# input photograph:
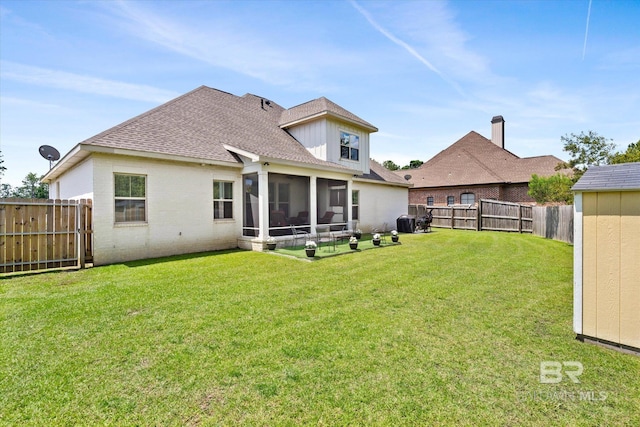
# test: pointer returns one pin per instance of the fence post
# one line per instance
(80, 234)
(519, 218)
(479, 214)
(452, 217)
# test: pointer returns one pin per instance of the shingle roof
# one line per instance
(625, 176)
(377, 172)
(474, 160)
(319, 107)
(202, 122)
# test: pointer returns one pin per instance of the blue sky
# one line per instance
(424, 72)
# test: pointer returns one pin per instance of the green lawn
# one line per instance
(448, 328)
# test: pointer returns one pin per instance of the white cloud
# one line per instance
(21, 102)
(232, 44)
(79, 83)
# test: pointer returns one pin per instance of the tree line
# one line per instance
(31, 188)
(585, 150)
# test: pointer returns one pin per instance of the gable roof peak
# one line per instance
(320, 107)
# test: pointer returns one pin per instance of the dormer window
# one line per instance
(349, 146)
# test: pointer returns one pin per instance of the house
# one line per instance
(211, 170)
(475, 168)
(606, 289)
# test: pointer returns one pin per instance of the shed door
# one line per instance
(611, 267)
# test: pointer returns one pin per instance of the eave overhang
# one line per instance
(81, 151)
(327, 114)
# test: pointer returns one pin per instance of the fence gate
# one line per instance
(37, 234)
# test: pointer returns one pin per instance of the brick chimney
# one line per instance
(497, 131)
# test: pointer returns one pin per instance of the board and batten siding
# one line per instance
(313, 136)
(322, 138)
(607, 284)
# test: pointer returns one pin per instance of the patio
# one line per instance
(326, 250)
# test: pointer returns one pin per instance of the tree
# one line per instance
(2, 167)
(413, 164)
(32, 188)
(555, 188)
(6, 190)
(631, 155)
(586, 150)
(389, 164)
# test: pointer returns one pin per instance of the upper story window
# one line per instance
(130, 198)
(222, 200)
(450, 200)
(349, 146)
(468, 198)
(430, 201)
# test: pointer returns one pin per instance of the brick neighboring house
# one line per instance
(475, 168)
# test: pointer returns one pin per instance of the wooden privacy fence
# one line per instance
(38, 234)
(554, 222)
(488, 215)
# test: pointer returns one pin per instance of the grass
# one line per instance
(448, 328)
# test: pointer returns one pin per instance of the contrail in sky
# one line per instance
(586, 32)
(406, 46)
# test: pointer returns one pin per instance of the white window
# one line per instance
(222, 200)
(349, 146)
(130, 198)
(430, 201)
(468, 198)
(355, 204)
(450, 200)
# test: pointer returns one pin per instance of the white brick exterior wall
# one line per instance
(179, 200)
(380, 204)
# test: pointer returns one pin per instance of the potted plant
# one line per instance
(310, 248)
(394, 236)
(357, 234)
(271, 243)
(353, 242)
(376, 239)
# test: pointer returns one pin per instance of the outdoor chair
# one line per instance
(326, 218)
(324, 235)
(298, 234)
(347, 231)
(277, 219)
(382, 231)
(301, 218)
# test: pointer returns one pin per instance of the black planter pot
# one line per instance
(271, 246)
(394, 238)
(353, 246)
(376, 242)
(310, 252)
(357, 235)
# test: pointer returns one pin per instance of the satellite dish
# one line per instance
(49, 153)
(407, 177)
